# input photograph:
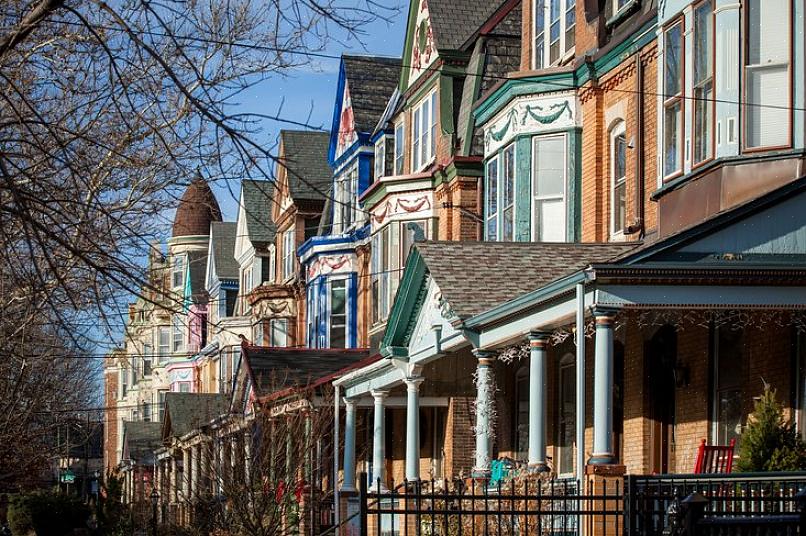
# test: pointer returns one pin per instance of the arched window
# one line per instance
(618, 179)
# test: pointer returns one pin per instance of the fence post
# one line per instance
(362, 502)
(800, 504)
(694, 508)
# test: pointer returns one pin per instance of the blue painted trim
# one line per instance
(362, 142)
(375, 137)
(352, 308)
(334, 125)
(326, 240)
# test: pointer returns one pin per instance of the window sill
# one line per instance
(619, 16)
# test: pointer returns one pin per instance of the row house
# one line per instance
(640, 265)
(335, 262)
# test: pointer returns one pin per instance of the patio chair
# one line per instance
(714, 459)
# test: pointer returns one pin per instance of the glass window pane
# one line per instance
(672, 61)
(551, 222)
(671, 137)
(549, 166)
(768, 125)
(492, 199)
(768, 31)
(570, 24)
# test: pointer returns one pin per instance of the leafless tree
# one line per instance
(107, 110)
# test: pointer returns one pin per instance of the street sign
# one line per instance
(68, 477)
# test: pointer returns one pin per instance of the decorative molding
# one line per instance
(530, 115)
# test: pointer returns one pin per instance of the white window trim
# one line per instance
(347, 316)
(418, 108)
(501, 175)
(565, 55)
(532, 186)
(619, 128)
(272, 263)
(288, 254)
(400, 143)
(175, 271)
(496, 162)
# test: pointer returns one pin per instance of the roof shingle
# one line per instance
(223, 246)
(257, 199)
(476, 276)
(185, 412)
(371, 81)
(455, 23)
(305, 159)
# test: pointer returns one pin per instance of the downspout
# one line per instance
(580, 383)
(638, 225)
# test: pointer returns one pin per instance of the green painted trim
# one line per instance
(575, 185)
(467, 139)
(525, 301)
(407, 47)
(430, 82)
(523, 189)
(405, 301)
(446, 104)
(394, 351)
(570, 80)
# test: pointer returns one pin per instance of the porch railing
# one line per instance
(518, 506)
(741, 503)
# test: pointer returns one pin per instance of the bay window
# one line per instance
(338, 314)
(553, 30)
(178, 272)
(288, 254)
(423, 142)
(492, 199)
(380, 158)
(618, 171)
(548, 186)
(381, 264)
(178, 334)
(163, 343)
(279, 332)
(673, 99)
(767, 77)
(703, 81)
(411, 232)
(400, 143)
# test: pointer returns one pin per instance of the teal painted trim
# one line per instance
(525, 301)
(523, 189)
(394, 351)
(570, 80)
(405, 300)
(446, 99)
(575, 185)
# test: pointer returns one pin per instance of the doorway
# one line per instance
(660, 357)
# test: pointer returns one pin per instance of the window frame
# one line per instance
(710, 102)
(743, 74)
(505, 181)
(177, 336)
(678, 99)
(403, 242)
(566, 362)
(272, 324)
(400, 147)
(346, 314)
(168, 343)
(178, 269)
(288, 254)
(381, 274)
(566, 50)
(491, 216)
(617, 130)
(717, 388)
(421, 136)
(533, 178)
(379, 165)
(148, 360)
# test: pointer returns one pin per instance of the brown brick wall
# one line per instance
(616, 97)
(111, 418)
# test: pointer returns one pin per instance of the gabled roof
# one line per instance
(257, 198)
(222, 240)
(275, 369)
(463, 270)
(305, 159)
(185, 412)
(392, 105)
(140, 439)
(197, 266)
(456, 22)
(371, 81)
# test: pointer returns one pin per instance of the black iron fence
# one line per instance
(735, 504)
(529, 505)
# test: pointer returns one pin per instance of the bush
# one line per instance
(770, 443)
(46, 514)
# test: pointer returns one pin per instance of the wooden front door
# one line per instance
(660, 356)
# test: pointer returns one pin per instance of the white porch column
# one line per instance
(413, 428)
(348, 482)
(538, 377)
(484, 409)
(378, 439)
(603, 390)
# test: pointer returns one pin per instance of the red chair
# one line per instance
(714, 459)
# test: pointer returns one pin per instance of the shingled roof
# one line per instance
(273, 369)
(371, 81)
(463, 270)
(196, 210)
(140, 439)
(305, 158)
(185, 412)
(257, 198)
(197, 265)
(222, 238)
(455, 23)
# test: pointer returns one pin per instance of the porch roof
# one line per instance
(465, 271)
(187, 411)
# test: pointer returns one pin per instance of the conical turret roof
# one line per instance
(197, 209)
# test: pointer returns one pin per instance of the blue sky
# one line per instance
(311, 90)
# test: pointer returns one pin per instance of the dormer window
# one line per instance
(553, 31)
(423, 134)
(178, 272)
